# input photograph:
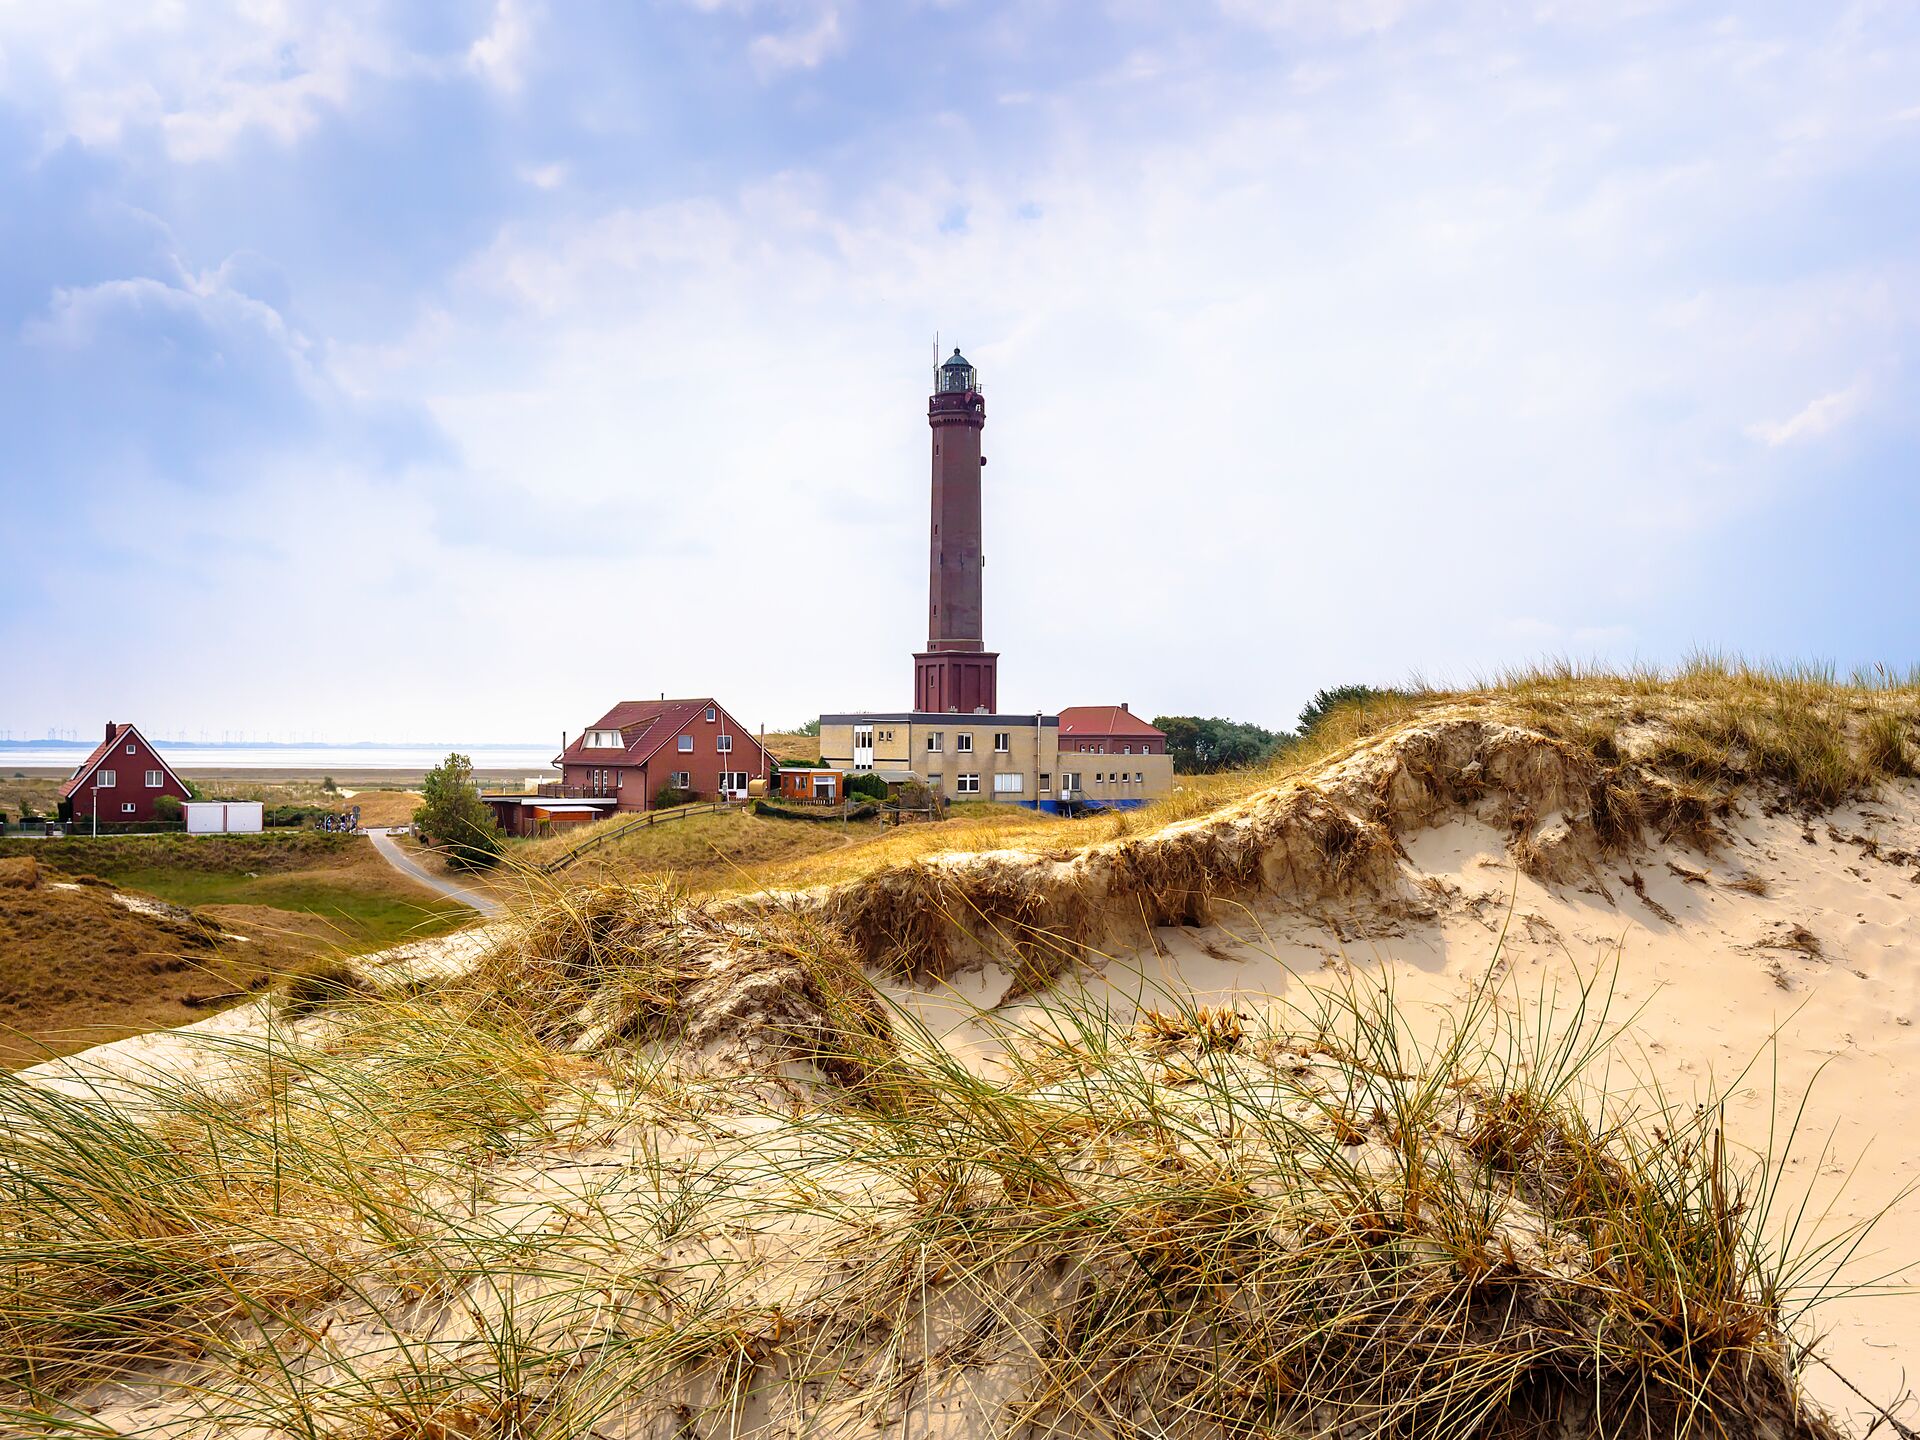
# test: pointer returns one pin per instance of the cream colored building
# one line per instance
(1010, 759)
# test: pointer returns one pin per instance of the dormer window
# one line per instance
(712, 715)
(604, 740)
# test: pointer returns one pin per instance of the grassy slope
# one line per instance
(362, 902)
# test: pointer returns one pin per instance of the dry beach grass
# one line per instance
(1071, 1129)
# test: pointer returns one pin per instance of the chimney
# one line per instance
(109, 729)
(1123, 708)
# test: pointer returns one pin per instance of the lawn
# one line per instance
(363, 902)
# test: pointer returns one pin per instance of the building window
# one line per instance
(154, 780)
(1139, 777)
(1046, 781)
(963, 742)
(1069, 781)
(968, 784)
(1126, 749)
(711, 714)
(1009, 784)
(683, 780)
(686, 744)
(1002, 742)
(127, 809)
(133, 749)
(933, 742)
(724, 744)
(619, 779)
(105, 780)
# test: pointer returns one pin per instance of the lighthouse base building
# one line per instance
(956, 738)
(1009, 759)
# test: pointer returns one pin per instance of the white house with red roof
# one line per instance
(120, 781)
(641, 747)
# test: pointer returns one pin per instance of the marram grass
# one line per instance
(419, 1218)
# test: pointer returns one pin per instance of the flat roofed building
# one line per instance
(1011, 759)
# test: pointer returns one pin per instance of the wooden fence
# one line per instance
(642, 821)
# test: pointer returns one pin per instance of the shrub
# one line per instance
(167, 808)
(1325, 702)
(869, 785)
(668, 796)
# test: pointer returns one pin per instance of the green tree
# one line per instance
(453, 816)
(1200, 746)
(328, 786)
(1325, 702)
(812, 727)
(167, 808)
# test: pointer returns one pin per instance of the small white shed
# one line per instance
(224, 817)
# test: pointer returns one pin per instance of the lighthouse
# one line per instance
(956, 673)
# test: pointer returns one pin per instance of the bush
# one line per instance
(453, 816)
(167, 808)
(1325, 702)
(668, 796)
(869, 785)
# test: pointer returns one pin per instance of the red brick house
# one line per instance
(1107, 730)
(641, 747)
(118, 783)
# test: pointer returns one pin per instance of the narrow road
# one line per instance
(408, 866)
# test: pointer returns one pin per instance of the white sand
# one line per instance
(1724, 990)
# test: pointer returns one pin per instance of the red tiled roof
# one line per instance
(86, 766)
(1084, 720)
(645, 725)
(116, 733)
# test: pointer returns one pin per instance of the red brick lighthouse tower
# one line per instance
(956, 672)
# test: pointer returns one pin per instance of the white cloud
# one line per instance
(1277, 359)
(802, 45)
(205, 75)
(499, 55)
(1814, 419)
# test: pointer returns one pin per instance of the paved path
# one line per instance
(391, 852)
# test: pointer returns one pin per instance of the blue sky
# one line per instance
(373, 370)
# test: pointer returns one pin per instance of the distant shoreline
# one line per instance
(364, 778)
(465, 747)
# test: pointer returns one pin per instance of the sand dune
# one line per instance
(1758, 955)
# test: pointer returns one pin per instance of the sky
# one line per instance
(389, 371)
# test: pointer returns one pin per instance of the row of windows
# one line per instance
(963, 741)
(108, 779)
(1009, 783)
(722, 743)
(1099, 747)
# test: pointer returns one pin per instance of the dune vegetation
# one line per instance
(644, 1162)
